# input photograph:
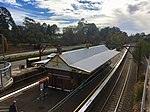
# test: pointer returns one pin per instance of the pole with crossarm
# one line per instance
(139, 58)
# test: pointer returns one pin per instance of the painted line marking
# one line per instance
(18, 91)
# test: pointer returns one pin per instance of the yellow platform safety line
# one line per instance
(91, 92)
(87, 98)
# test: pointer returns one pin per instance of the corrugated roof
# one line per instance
(91, 63)
(76, 55)
(88, 59)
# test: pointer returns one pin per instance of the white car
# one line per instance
(50, 56)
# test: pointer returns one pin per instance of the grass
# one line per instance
(17, 58)
(139, 90)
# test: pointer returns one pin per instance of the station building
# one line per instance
(68, 69)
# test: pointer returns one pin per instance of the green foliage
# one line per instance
(145, 49)
(8, 27)
(54, 29)
(82, 33)
(5, 18)
(5, 45)
(11, 59)
(35, 33)
(113, 37)
(138, 92)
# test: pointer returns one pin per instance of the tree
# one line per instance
(7, 24)
(49, 32)
(82, 33)
(81, 23)
(54, 29)
(69, 35)
(5, 18)
(28, 22)
(113, 37)
(33, 31)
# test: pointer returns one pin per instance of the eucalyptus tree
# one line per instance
(5, 18)
(113, 37)
(54, 29)
(33, 31)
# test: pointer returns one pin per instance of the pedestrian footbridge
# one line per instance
(5, 74)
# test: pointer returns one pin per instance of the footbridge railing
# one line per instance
(5, 74)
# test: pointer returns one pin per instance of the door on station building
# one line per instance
(54, 81)
(59, 83)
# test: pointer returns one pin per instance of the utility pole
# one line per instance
(139, 59)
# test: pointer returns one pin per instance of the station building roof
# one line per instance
(86, 59)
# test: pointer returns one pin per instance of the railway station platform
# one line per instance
(29, 100)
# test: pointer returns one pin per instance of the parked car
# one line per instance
(50, 56)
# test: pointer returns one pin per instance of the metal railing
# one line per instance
(144, 90)
(5, 74)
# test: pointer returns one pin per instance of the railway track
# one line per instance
(119, 97)
(114, 100)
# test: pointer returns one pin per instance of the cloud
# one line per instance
(133, 18)
(12, 2)
(129, 15)
(17, 15)
(70, 8)
(133, 8)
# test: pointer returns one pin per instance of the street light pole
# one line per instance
(2, 40)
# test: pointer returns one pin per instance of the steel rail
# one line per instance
(113, 88)
(123, 89)
(29, 77)
(120, 97)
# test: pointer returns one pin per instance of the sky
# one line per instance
(131, 16)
